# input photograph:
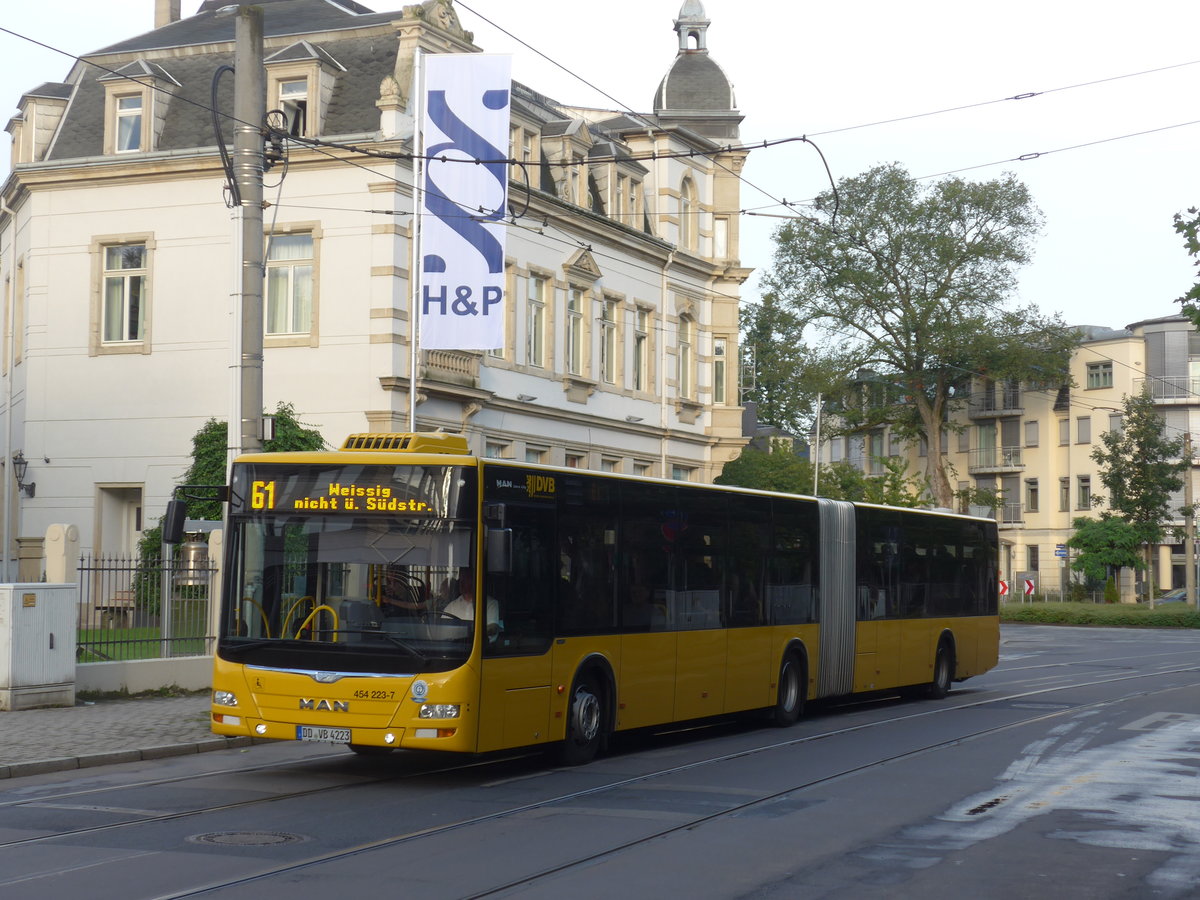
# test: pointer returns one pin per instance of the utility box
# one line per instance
(37, 645)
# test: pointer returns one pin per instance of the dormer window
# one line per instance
(129, 123)
(293, 100)
(300, 81)
(136, 98)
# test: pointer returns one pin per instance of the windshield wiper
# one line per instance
(395, 641)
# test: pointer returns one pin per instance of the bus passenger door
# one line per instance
(514, 708)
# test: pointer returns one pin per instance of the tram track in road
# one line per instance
(565, 799)
(59, 801)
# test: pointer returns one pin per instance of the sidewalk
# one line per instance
(34, 741)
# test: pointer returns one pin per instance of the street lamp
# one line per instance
(20, 467)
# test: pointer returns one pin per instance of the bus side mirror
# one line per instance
(173, 521)
(499, 551)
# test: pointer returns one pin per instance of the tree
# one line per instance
(905, 284)
(781, 470)
(1105, 545)
(1140, 467)
(209, 462)
(1189, 228)
(786, 384)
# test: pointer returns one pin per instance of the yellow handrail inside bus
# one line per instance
(312, 615)
(261, 612)
(287, 618)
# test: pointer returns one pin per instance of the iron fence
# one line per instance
(134, 608)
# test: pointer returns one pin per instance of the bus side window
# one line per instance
(525, 595)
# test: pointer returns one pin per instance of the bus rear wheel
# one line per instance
(585, 722)
(789, 702)
(943, 673)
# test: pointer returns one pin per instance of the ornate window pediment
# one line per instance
(582, 267)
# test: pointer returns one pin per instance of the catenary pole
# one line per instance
(249, 109)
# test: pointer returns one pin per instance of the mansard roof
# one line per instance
(53, 90)
(280, 18)
(301, 51)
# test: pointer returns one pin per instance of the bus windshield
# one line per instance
(349, 568)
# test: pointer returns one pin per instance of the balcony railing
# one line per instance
(1005, 513)
(999, 402)
(1170, 387)
(452, 367)
(994, 459)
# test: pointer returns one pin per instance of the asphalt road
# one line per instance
(1070, 771)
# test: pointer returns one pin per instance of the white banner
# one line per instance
(462, 207)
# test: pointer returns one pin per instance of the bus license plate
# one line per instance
(326, 735)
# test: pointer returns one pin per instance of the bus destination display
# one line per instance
(292, 495)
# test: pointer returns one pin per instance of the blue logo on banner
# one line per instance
(468, 226)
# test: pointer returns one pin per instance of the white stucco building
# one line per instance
(118, 262)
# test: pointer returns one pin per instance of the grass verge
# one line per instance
(1120, 615)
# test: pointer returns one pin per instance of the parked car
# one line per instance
(1176, 595)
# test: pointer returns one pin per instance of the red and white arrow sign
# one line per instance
(1028, 586)
(1004, 589)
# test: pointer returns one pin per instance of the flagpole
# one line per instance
(414, 242)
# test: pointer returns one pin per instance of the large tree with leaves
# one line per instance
(779, 469)
(209, 462)
(1141, 467)
(1188, 227)
(908, 283)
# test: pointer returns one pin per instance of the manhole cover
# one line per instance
(246, 838)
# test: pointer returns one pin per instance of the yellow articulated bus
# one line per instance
(400, 593)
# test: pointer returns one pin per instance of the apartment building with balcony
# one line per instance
(1031, 444)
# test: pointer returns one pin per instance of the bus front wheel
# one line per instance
(789, 702)
(585, 722)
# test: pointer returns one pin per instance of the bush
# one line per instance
(1116, 615)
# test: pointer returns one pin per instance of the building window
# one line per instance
(1064, 432)
(681, 473)
(1084, 500)
(293, 100)
(496, 449)
(687, 215)
(1099, 375)
(642, 469)
(608, 342)
(1031, 433)
(683, 376)
(1031, 494)
(289, 284)
(1064, 494)
(719, 351)
(125, 281)
(720, 237)
(641, 350)
(576, 460)
(535, 321)
(1032, 550)
(610, 465)
(575, 301)
(1083, 430)
(129, 123)
(1116, 422)
(535, 454)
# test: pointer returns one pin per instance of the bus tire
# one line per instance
(943, 673)
(585, 721)
(789, 701)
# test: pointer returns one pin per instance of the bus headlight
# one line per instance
(439, 711)
(224, 698)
